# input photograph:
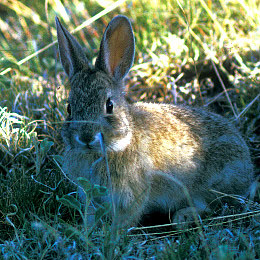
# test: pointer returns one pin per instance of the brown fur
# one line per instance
(161, 157)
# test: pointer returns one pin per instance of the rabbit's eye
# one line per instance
(109, 106)
(69, 109)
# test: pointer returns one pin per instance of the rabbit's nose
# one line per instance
(98, 141)
(83, 139)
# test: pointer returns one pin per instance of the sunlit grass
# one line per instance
(180, 47)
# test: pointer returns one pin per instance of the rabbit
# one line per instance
(161, 157)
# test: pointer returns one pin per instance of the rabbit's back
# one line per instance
(189, 152)
(196, 146)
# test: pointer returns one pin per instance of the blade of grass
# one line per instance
(247, 107)
(224, 88)
(213, 17)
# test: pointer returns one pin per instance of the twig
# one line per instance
(225, 90)
(248, 106)
(104, 153)
(216, 97)
(177, 232)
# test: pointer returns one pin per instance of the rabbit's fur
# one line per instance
(161, 157)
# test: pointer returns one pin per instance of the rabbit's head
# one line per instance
(96, 103)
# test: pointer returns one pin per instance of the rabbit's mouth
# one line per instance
(96, 145)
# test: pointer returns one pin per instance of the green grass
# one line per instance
(210, 37)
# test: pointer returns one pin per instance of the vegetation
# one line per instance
(197, 52)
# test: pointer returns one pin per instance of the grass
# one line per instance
(214, 62)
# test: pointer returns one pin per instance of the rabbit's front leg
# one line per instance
(129, 206)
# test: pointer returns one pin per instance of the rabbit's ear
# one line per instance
(72, 56)
(117, 48)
